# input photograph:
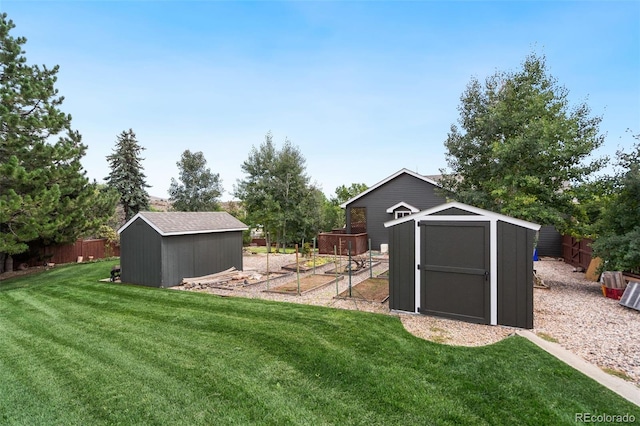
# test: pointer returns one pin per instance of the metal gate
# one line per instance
(454, 265)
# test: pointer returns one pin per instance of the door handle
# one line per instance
(486, 275)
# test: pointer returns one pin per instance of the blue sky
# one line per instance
(363, 88)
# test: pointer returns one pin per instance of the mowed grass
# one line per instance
(74, 351)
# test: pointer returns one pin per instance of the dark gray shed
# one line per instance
(159, 249)
(549, 242)
(463, 262)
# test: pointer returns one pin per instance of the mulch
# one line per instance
(371, 289)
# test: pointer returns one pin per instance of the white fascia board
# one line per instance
(382, 182)
(126, 225)
(480, 213)
(403, 204)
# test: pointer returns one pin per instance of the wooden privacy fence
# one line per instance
(327, 241)
(98, 249)
(576, 252)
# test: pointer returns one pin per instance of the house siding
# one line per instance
(404, 188)
(140, 255)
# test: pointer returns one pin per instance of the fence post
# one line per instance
(335, 264)
(349, 267)
(297, 270)
(268, 250)
(370, 261)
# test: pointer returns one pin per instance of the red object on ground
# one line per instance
(612, 293)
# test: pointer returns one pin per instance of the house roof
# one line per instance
(382, 182)
(475, 210)
(182, 223)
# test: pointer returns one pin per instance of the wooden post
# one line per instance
(297, 270)
(268, 250)
(349, 266)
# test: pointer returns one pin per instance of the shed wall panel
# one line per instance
(217, 252)
(549, 242)
(177, 259)
(402, 266)
(140, 255)
(515, 275)
(404, 188)
(200, 254)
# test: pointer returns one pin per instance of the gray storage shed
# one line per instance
(159, 249)
(462, 262)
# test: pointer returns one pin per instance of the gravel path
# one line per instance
(572, 312)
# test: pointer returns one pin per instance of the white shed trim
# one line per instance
(405, 205)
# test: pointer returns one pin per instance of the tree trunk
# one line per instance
(8, 264)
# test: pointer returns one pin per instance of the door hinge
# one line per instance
(418, 308)
(418, 266)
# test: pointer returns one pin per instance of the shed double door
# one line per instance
(454, 265)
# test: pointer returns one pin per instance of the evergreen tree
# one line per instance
(199, 190)
(44, 193)
(522, 149)
(127, 176)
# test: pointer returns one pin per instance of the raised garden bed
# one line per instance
(356, 269)
(371, 290)
(307, 284)
(306, 265)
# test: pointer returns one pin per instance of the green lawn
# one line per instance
(76, 351)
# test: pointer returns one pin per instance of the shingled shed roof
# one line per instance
(182, 223)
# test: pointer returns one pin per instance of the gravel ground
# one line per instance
(576, 314)
(322, 297)
(572, 312)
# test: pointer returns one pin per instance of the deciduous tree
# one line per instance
(276, 188)
(521, 148)
(618, 231)
(199, 189)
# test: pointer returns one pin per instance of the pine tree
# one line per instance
(44, 193)
(127, 176)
